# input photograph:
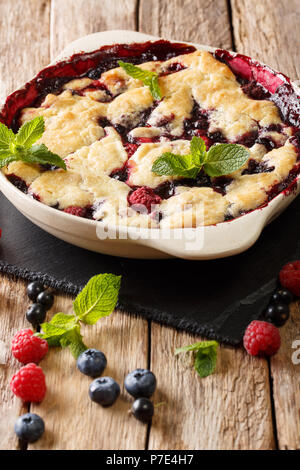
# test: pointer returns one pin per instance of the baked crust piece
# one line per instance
(110, 131)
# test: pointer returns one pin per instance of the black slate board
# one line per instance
(215, 298)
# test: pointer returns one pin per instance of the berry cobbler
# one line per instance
(109, 130)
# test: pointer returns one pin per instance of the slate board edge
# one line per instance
(158, 316)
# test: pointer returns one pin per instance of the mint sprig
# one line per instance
(219, 160)
(205, 356)
(97, 299)
(20, 146)
(149, 78)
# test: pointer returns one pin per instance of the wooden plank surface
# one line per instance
(72, 19)
(229, 410)
(22, 55)
(12, 319)
(268, 30)
(72, 420)
(286, 384)
(24, 41)
(200, 21)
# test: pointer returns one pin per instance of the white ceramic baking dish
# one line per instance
(221, 240)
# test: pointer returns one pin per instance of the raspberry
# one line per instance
(29, 383)
(28, 348)
(75, 210)
(143, 196)
(261, 338)
(289, 277)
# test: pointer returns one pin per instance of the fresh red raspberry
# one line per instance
(261, 338)
(145, 197)
(75, 210)
(29, 383)
(28, 348)
(289, 277)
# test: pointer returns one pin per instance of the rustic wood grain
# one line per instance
(71, 19)
(228, 410)
(269, 31)
(13, 302)
(24, 41)
(200, 21)
(286, 383)
(72, 420)
(24, 49)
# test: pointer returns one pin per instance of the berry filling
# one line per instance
(86, 212)
(175, 67)
(255, 167)
(18, 183)
(199, 121)
(143, 200)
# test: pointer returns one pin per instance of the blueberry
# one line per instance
(104, 391)
(140, 383)
(283, 295)
(36, 314)
(92, 362)
(46, 298)
(277, 313)
(34, 289)
(143, 409)
(29, 427)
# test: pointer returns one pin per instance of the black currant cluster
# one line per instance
(43, 301)
(278, 310)
(140, 383)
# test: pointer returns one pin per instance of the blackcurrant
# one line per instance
(36, 314)
(46, 298)
(277, 313)
(143, 409)
(285, 296)
(34, 289)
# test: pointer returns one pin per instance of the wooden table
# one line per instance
(248, 403)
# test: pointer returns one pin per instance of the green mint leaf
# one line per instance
(223, 159)
(20, 147)
(54, 330)
(192, 347)
(4, 161)
(149, 78)
(6, 137)
(206, 361)
(205, 357)
(41, 154)
(98, 298)
(154, 89)
(178, 165)
(61, 320)
(63, 330)
(198, 150)
(73, 340)
(30, 132)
